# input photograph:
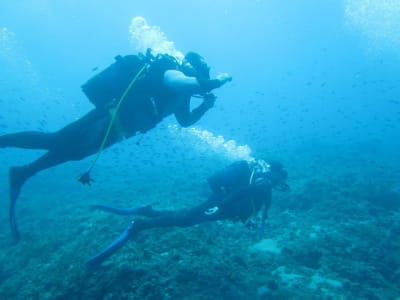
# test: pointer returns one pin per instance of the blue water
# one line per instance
(315, 84)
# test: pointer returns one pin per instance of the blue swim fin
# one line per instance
(96, 260)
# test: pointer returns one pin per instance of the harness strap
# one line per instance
(253, 171)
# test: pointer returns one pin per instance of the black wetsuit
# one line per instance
(239, 191)
(234, 197)
(145, 105)
(84, 136)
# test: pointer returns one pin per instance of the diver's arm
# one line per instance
(182, 84)
(187, 86)
(187, 117)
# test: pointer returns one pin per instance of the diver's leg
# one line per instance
(86, 143)
(83, 138)
(143, 210)
(79, 135)
(181, 218)
(204, 212)
(71, 143)
(27, 140)
(44, 140)
(159, 218)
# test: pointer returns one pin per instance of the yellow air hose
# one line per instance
(85, 177)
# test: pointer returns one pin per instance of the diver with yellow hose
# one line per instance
(239, 192)
(131, 96)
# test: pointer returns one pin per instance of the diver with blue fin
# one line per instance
(239, 191)
(131, 96)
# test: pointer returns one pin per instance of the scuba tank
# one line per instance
(108, 86)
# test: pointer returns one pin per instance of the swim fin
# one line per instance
(17, 177)
(96, 260)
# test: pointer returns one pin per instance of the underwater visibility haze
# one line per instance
(315, 85)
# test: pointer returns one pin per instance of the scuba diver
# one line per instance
(239, 191)
(131, 96)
